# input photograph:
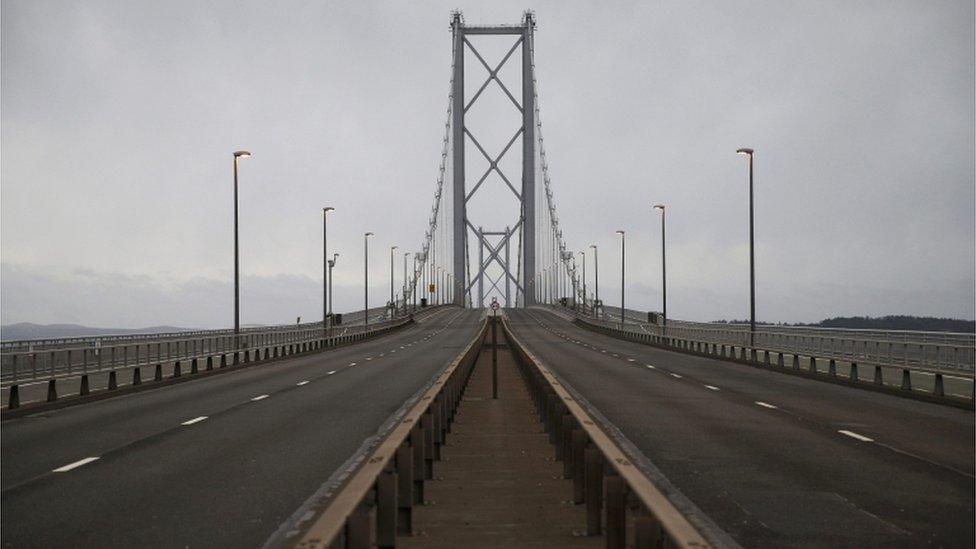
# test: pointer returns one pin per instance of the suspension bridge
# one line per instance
(499, 402)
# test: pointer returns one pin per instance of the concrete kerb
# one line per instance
(15, 409)
(904, 390)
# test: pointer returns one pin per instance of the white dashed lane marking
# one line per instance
(852, 434)
(650, 366)
(765, 405)
(259, 397)
(194, 420)
(329, 373)
(75, 465)
(300, 383)
(711, 387)
(676, 375)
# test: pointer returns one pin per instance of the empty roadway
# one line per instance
(219, 461)
(775, 459)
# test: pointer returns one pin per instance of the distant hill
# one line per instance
(901, 322)
(890, 322)
(28, 330)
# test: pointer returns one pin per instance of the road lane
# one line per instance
(763, 454)
(228, 479)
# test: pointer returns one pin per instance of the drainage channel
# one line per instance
(528, 468)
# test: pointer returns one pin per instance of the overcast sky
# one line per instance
(119, 119)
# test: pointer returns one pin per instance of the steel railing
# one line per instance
(82, 356)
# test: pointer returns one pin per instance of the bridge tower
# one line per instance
(493, 246)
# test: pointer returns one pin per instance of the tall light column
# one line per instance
(596, 281)
(392, 302)
(583, 255)
(325, 269)
(752, 255)
(664, 272)
(237, 257)
(404, 292)
(622, 264)
(332, 263)
(366, 279)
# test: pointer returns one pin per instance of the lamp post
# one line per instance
(404, 293)
(366, 280)
(596, 281)
(583, 255)
(752, 255)
(332, 263)
(325, 269)
(392, 302)
(664, 273)
(237, 257)
(622, 250)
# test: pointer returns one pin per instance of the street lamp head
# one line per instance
(241, 154)
(745, 151)
(659, 207)
(620, 232)
(593, 246)
(328, 209)
(368, 235)
(335, 256)
(394, 248)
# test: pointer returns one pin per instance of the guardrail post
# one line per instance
(137, 376)
(358, 527)
(428, 430)
(766, 358)
(832, 368)
(84, 389)
(854, 377)
(813, 365)
(177, 369)
(878, 376)
(417, 439)
(616, 513)
(387, 508)
(906, 380)
(437, 414)
(113, 381)
(579, 466)
(780, 362)
(404, 475)
(939, 389)
(194, 367)
(594, 491)
(210, 362)
(158, 375)
(223, 360)
(567, 444)
(796, 361)
(52, 390)
(752, 356)
(647, 532)
(13, 398)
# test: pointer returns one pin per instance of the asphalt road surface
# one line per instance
(221, 461)
(774, 459)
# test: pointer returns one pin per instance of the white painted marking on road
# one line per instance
(852, 434)
(300, 383)
(651, 367)
(259, 397)
(615, 355)
(75, 465)
(631, 360)
(369, 358)
(675, 375)
(603, 350)
(194, 420)
(381, 355)
(330, 373)
(352, 363)
(765, 405)
(711, 387)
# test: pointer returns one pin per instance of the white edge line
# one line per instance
(852, 434)
(75, 465)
